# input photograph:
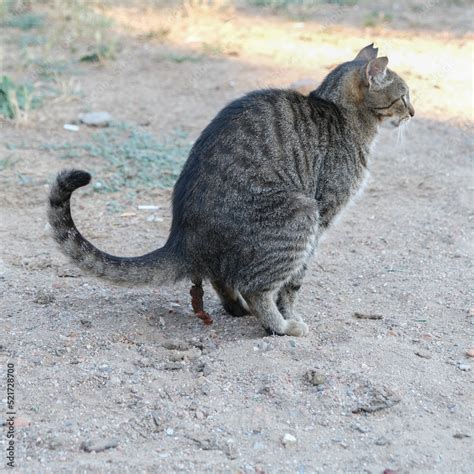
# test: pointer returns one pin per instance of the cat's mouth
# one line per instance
(396, 122)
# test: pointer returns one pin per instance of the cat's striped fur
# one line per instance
(263, 181)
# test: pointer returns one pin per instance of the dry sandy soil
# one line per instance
(95, 362)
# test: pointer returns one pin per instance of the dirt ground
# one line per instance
(133, 367)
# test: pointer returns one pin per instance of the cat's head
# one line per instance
(365, 83)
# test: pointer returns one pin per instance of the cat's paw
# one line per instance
(296, 328)
(295, 317)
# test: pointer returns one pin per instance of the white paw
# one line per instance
(295, 317)
(296, 328)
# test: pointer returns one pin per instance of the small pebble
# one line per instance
(359, 428)
(263, 346)
(314, 378)
(230, 449)
(95, 119)
(157, 419)
(44, 297)
(470, 352)
(204, 368)
(176, 345)
(22, 422)
(70, 127)
(288, 440)
(461, 435)
(382, 441)
(358, 315)
(423, 354)
(154, 218)
(144, 362)
(176, 356)
(169, 431)
(148, 207)
(173, 366)
(464, 367)
(99, 445)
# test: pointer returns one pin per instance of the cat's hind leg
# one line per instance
(231, 299)
(264, 307)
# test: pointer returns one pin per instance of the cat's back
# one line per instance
(253, 117)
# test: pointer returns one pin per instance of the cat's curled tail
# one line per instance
(160, 266)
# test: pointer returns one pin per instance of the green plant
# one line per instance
(6, 163)
(15, 99)
(24, 21)
(129, 157)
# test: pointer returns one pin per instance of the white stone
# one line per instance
(288, 439)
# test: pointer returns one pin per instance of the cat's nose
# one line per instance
(411, 110)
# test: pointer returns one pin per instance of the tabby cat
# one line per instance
(262, 183)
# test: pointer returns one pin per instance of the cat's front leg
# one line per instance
(263, 306)
(288, 294)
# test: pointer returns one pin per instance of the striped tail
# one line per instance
(158, 267)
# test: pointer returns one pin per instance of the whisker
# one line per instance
(401, 138)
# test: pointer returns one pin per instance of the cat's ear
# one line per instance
(367, 53)
(375, 71)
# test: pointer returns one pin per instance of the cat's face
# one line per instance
(368, 85)
(385, 93)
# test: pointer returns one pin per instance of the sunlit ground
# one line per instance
(436, 65)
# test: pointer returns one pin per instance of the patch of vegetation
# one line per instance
(132, 158)
(285, 4)
(15, 98)
(6, 163)
(182, 58)
(270, 3)
(158, 34)
(298, 10)
(104, 49)
(375, 18)
(214, 49)
(348, 3)
(24, 21)
(100, 53)
(49, 69)
(220, 49)
(28, 40)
